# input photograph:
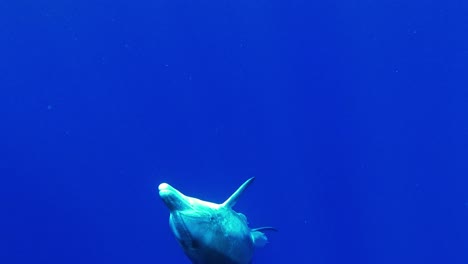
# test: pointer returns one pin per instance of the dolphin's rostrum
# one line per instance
(212, 233)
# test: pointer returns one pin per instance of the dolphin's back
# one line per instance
(223, 237)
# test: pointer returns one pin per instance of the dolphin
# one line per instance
(211, 233)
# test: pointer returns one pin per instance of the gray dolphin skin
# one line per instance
(211, 233)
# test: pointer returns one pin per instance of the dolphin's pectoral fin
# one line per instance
(231, 201)
(265, 228)
(259, 239)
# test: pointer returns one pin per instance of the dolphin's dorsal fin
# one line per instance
(231, 201)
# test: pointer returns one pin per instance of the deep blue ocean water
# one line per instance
(352, 116)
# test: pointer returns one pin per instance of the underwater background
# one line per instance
(352, 116)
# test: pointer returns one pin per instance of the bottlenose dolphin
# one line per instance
(211, 233)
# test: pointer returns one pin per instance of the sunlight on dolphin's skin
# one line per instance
(211, 233)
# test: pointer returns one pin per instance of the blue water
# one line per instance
(352, 115)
